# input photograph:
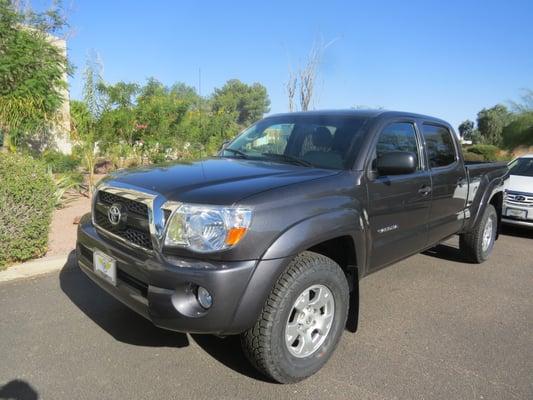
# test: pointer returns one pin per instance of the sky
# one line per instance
(447, 58)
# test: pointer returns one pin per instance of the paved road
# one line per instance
(431, 327)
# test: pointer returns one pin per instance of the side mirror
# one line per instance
(224, 145)
(396, 163)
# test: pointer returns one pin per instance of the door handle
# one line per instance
(424, 190)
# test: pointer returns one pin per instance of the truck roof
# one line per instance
(370, 113)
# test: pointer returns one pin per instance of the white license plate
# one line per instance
(513, 212)
(105, 266)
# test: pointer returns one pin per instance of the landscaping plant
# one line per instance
(26, 205)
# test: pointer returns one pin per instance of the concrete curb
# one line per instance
(36, 267)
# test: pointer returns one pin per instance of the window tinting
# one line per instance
(439, 144)
(397, 137)
(314, 140)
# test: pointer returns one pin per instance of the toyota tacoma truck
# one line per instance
(270, 238)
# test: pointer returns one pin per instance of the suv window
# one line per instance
(399, 136)
(439, 144)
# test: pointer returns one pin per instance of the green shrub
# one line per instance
(488, 151)
(26, 204)
(519, 132)
(60, 163)
(473, 157)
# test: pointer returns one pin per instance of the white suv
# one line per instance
(518, 202)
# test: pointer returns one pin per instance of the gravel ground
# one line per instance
(431, 327)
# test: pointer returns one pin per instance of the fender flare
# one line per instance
(492, 189)
(297, 238)
(317, 229)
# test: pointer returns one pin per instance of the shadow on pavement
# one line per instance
(128, 327)
(447, 252)
(228, 351)
(517, 231)
(18, 390)
(111, 315)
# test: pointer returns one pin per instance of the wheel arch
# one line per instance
(337, 234)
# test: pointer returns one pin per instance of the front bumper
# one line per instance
(510, 220)
(163, 289)
(518, 222)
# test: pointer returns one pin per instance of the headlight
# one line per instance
(207, 228)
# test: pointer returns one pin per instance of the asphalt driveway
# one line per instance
(431, 327)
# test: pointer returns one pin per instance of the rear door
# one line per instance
(450, 185)
(398, 206)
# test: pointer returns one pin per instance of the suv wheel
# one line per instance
(302, 320)
(477, 244)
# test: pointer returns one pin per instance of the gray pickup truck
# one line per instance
(270, 238)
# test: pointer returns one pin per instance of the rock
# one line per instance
(103, 167)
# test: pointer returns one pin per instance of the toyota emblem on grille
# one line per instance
(520, 198)
(114, 214)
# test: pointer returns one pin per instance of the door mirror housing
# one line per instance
(224, 145)
(396, 163)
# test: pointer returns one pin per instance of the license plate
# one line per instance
(513, 212)
(105, 266)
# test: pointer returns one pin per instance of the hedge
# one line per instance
(26, 205)
(488, 151)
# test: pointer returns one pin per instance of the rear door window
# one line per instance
(440, 146)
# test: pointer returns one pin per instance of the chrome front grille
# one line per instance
(131, 205)
(519, 199)
(133, 227)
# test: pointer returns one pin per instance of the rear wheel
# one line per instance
(302, 320)
(477, 245)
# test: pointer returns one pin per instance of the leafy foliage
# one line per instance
(133, 124)
(519, 132)
(490, 123)
(486, 151)
(58, 162)
(27, 199)
(32, 71)
(472, 157)
(248, 102)
(466, 129)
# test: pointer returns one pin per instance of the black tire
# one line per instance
(471, 243)
(264, 344)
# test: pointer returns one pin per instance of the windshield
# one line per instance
(306, 140)
(522, 167)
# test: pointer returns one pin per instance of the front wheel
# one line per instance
(302, 320)
(477, 244)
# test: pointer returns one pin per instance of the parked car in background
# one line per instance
(518, 202)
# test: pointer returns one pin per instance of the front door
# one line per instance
(398, 206)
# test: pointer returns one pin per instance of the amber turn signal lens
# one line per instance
(234, 236)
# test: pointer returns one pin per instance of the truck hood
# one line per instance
(518, 183)
(221, 181)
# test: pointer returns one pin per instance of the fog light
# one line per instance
(204, 297)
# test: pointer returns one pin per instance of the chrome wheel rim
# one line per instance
(309, 321)
(487, 235)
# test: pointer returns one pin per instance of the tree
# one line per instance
(85, 116)
(117, 121)
(160, 111)
(491, 122)
(32, 70)
(303, 81)
(519, 132)
(466, 128)
(248, 102)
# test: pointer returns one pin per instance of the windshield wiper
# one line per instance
(289, 159)
(237, 152)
